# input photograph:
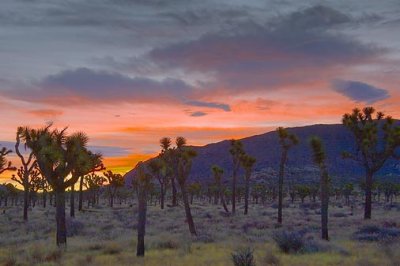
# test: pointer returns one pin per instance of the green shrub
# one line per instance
(243, 257)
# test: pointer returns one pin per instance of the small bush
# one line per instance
(296, 242)
(112, 249)
(74, 227)
(53, 255)
(205, 238)
(243, 257)
(168, 244)
(376, 233)
(339, 215)
(289, 242)
(11, 260)
(270, 259)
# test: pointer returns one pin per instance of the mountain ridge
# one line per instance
(266, 149)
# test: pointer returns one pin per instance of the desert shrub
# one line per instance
(74, 227)
(310, 205)
(289, 242)
(270, 259)
(339, 214)
(376, 233)
(53, 255)
(167, 244)
(205, 238)
(10, 260)
(243, 257)
(296, 242)
(112, 249)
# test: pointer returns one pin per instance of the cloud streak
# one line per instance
(360, 91)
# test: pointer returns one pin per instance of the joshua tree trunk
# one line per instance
(368, 195)
(72, 201)
(26, 201)
(141, 223)
(162, 196)
(280, 185)
(80, 194)
(246, 196)
(189, 217)
(174, 201)
(223, 201)
(234, 191)
(44, 198)
(61, 238)
(324, 204)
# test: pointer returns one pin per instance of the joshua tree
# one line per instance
(237, 152)
(287, 141)
(24, 172)
(303, 191)
(96, 165)
(170, 164)
(218, 172)
(93, 183)
(142, 182)
(347, 190)
(115, 181)
(184, 156)
(57, 155)
(159, 170)
(194, 189)
(247, 163)
(377, 139)
(319, 159)
(4, 164)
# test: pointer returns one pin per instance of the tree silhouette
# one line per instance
(319, 159)
(247, 163)
(184, 156)
(93, 183)
(217, 173)
(96, 165)
(5, 165)
(237, 152)
(57, 155)
(142, 183)
(376, 139)
(170, 163)
(25, 170)
(160, 170)
(287, 141)
(115, 181)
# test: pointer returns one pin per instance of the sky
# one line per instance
(128, 72)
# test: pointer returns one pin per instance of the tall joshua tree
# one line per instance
(115, 181)
(159, 170)
(286, 141)
(184, 156)
(142, 183)
(84, 167)
(171, 165)
(57, 154)
(5, 165)
(96, 165)
(376, 137)
(247, 163)
(217, 173)
(28, 164)
(319, 159)
(237, 152)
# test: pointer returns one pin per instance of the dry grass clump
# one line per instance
(243, 257)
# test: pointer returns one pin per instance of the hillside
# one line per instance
(266, 149)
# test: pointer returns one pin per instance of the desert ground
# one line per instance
(105, 236)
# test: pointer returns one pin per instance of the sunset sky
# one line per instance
(128, 72)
